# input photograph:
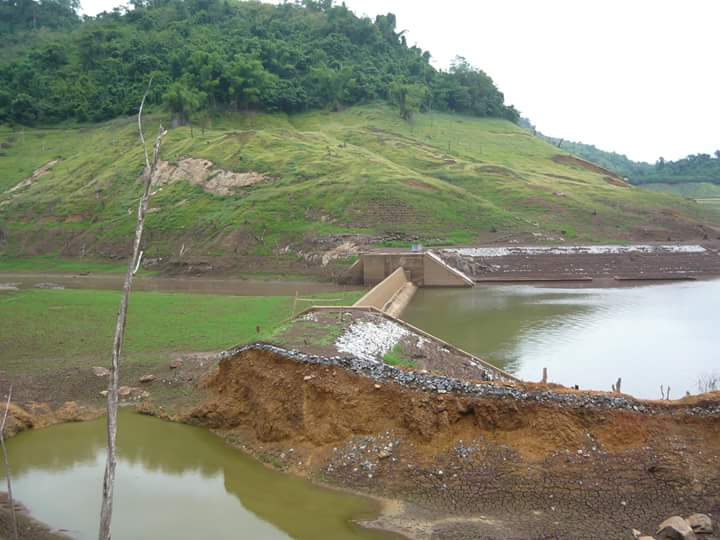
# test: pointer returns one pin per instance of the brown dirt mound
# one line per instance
(202, 172)
(581, 163)
(496, 169)
(529, 466)
(614, 181)
(419, 184)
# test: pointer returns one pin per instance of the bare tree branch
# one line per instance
(137, 266)
(112, 397)
(140, 129)
(7, 467)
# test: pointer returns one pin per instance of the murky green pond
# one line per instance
(173, 482)
(661, 334)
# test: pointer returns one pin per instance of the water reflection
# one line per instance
(173, 481)
(662, 334)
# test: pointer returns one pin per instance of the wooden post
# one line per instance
(7, 467)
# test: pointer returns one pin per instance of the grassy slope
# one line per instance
(708, 194)
(693, 190)
(445, 178)
(62, 265)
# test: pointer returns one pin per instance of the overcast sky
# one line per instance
(639, 77)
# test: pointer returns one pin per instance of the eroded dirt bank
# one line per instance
(474, 460)
(641, 261)
(28, 527)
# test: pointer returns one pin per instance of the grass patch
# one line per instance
(395, 357)
(63, 265)
(42, 329)
(303, 333)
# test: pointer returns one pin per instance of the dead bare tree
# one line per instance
(8, 476)
(112, 397)
(709, 382)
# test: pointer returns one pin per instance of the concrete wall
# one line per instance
(377, 266)
(440, 274)
(353, 275)
(384, 291)
(400, 301)
(423, 269)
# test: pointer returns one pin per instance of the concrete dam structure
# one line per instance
(423, 269)
(395, 276)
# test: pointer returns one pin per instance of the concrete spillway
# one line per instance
(423, 269)
(391, 295)
(396, 277)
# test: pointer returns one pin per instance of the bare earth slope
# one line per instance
(474, 460)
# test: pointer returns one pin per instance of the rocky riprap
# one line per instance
(694, 527)
(429, 382)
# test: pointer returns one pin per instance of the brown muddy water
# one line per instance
(173, 482)
(199, 285)
(650, 336)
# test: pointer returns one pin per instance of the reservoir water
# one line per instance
(173, 482)
(650, 336)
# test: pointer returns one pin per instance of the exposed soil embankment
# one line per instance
(39, 415)
(28, 528)
(643, 262)
(475, 460)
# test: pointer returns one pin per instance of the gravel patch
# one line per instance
(418, 380)
(369, 340)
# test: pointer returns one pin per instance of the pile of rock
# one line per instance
(431, 382)
(695, 527)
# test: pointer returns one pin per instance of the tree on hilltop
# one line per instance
(408, 98)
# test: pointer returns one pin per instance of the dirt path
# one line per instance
(198, 285)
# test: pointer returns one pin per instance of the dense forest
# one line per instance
(691, 169)
(219, 55)
(695, 168)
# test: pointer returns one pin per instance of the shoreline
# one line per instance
(32, 528)
(395, 515)
(597, 264)
(194, 285)
(518, 432)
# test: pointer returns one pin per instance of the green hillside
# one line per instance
(687, 175)
(441, 179)
(219, 56)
